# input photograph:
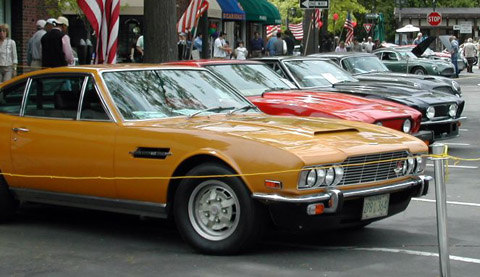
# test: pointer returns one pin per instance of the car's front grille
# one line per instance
(447, 71)
(372, 168)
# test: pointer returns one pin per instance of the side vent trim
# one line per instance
(151, 153)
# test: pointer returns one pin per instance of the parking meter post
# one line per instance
(441, 201)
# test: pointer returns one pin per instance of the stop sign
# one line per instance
(434, 18)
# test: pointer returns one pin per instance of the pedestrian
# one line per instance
(140, 48)
(56, 48)
(478, 53)
(221, 47)
(368, 45)
(341, 47)
(135, 55)
(356, 46)
(50, 23)
(257, 46)
(241, 53)
(454, 54)
(8, 55)
(183, 47)
(278, 45)
(377, 44)
(469, 53)
(419, 39)
(289, 41)
(34, 46)
(270, 50)
(197, 44)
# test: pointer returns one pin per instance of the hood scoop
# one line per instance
(339, 130)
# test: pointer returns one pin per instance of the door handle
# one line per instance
(18, 130)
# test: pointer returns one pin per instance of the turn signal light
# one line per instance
(315, 209)
(273, 184)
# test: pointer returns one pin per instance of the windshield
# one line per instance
(317, 73)
(407, 55)
(250, 79)
(148, 94)
(363, 64)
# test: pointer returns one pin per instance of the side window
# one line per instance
(54, 97)
(392, 56)
(379, 55)
(276, 67)
(11, 98)
(92, 108)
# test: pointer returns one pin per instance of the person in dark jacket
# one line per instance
(290, 42)
(56, 48)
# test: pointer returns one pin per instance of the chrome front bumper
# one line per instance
(335, 197)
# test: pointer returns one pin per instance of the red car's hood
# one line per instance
(330, 104)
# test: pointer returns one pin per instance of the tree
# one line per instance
(160, 35)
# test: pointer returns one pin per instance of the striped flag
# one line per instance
(104, 16)
(349, 26)
(190, 17)
(272, 29)
(318, 18)
(297, 30)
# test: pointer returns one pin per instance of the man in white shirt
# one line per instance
(469, 53)
(368, 46)
(220, 47)
(34, 48)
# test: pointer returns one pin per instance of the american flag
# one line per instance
(297, 30)
(103, 15)
(318, 18)
(349, 26)
(189, 18)
(273, 28)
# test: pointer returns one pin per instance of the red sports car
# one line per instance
(277, 96)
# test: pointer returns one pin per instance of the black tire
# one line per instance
(8, 204)
(209, 226)
(419, 71)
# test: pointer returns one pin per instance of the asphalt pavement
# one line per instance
(51, 241)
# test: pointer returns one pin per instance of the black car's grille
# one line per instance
(445, 89)
(371, 168)
(441, 110)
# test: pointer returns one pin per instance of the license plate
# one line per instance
(375, 206)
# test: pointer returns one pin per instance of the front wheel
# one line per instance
(419, 71)
(216, 215)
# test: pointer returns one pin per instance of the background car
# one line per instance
(277, 96)
(441, 111)
(402, 60)
(367, 67)
(177, 142)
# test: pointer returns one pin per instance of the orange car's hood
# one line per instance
(302, 136)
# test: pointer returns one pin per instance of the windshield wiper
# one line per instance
(209, 110)
(246, 108)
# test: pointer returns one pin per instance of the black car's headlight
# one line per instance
(430, 112)
(452, 110)
(456, 86)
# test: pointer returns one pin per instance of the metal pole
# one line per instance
(441, 201)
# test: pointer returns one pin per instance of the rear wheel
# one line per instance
(217, 215)
(8, 205)
(419, 71)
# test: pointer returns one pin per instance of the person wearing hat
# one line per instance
(50, 23)
(220, 47)
(56, 48)
(183, 47)
(34, 47)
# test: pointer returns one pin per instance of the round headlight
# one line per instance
(330, 176)
(419, 164)
(434, 67)
(338, 175)
(407, 126)
(311, 178)
(430, 112)
(379, 123)
(452, 110)
(321, 176)
(411, 164)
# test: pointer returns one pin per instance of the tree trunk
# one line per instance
(160, 34)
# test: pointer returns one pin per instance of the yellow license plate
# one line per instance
(375, 206)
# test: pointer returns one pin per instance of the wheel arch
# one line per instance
(187, 165)
(419, 67)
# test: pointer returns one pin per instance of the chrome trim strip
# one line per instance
(24, 97)
(91, 202)
(452, 120)
(346, 194)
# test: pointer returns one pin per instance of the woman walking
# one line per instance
(8, 55)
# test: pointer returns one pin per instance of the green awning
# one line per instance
(254, 11)
(272, 13)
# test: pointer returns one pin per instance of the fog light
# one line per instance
(314, 209)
